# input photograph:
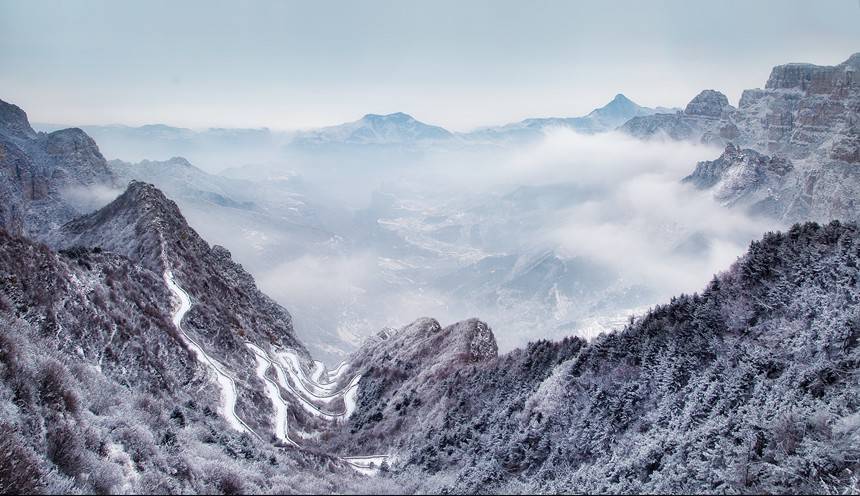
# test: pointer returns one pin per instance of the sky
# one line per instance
(459, 64)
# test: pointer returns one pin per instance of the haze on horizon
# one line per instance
(460, 65)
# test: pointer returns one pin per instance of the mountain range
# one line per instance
(135, 357)
(606, 118)
(221, 148)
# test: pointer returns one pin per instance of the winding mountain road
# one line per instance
(289, 371)
(225, 382)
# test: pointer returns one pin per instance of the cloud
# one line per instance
(90, 198)
(613, 203)
(644, 223)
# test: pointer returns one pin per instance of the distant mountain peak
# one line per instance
(620, 98)
(376, 129)
(179, 161)
(395, 117)
(619, 108)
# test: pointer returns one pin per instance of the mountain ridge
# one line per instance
(635, 410)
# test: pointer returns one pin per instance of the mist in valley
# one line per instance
(567, 234)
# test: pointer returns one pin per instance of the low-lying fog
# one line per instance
(568, 235)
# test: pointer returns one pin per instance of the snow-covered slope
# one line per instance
(699, 395)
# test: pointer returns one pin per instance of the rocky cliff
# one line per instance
(807, 118)
(47, 179)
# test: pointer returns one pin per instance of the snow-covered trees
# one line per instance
(750, 386)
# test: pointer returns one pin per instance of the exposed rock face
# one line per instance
(709, 103)
(673, 126)
(426, 342)
(482, 342)
(404, 371)
(743, 175)
(807, 115)
(814, 79)
(47, 179)
(14, 122)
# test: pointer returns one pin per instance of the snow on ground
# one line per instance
(367, 465)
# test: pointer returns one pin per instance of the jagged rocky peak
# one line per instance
(480, 338)
(426, 342)
(467, 341)
(77, 150)
(710, 172)
(14, 122)
(708, 103)
(147, 199)
(143, 194)
(145, 226)
(816, 79)
(47, 179)
(137, 224)
(743, 175)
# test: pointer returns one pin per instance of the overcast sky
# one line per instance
(454, 63)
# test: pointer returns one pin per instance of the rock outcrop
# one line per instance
(47, 179)
(807, 117)
(709, 104)
(743, 175)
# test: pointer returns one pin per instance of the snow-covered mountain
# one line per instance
(127, 310)
(46, 179)
(135, 357)
(698, 395)
(793, 148)
(606, 118)
(373, 129)
(225, 148)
